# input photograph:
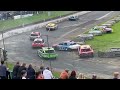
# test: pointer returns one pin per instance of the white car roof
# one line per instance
(38, 39)
(109, 28)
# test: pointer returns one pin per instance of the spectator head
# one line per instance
(47, 68)
(81, 76)
(116, 75)
(2, 62)
(66, 70)
(30, 66)
(38, 73)
(17, 63)
(24, 73)
(73, 73)
(94, 76)
(24, 64)
(41, 67)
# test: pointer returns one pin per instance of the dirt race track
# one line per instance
(19, 47)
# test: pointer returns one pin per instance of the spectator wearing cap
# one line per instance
(15, 70)
(23, 74)
(94, 76)
(116, 75)
(3, 70)
(23, 67)
(72, 75)
(30, 72)
(39, 75)
(81, 76)
(47, 74)
(64, 74)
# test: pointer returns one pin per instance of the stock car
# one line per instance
(85, 51)
(95, 32)
(66, 46)
(35, 35)
(73, 18)
(51, 26)
(47, 53)
(38, 43)
(108, 30)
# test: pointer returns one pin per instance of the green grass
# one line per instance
(8, 24)
(106, 41)
(56, 74)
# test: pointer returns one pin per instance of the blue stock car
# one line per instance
(66, 46)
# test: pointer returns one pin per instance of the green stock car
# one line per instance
(47, 53)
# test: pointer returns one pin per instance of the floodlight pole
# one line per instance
(3, 38)
(49, 52)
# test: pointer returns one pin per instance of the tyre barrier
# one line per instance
(106, 54)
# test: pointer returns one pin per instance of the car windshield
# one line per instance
(85, 50)
(73, 44)
(34, 35)
(38, 42)
(49, 51)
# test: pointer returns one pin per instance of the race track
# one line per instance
(19, 46)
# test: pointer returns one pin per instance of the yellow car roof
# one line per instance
(51, 24)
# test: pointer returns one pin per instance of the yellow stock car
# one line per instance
(51, 26)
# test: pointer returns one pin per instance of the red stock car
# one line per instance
(85, 51)
(38, 43)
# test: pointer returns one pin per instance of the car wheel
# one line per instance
(69, 49)
(55, 58)
(92, 55)
(55, 48)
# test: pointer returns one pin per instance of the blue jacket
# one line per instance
(3, 70)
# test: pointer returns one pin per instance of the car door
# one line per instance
(65, 46)
(60, 46)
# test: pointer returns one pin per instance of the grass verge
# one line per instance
(107, 41)
(9, 24)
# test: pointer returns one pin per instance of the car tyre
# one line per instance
(69, 49)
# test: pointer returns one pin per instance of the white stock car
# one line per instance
(35, 35)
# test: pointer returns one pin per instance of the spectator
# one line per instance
(23, 67)
(30, 72)
(15, 70)
(23, 74)
(116, 75)
(47, 74)
(39, 75)
(72, 75)
(64, 74)
(3, 70)
(81, 76)
(94, 76)
(42, 69)
(8, 76)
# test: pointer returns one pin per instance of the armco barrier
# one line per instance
(106, 54)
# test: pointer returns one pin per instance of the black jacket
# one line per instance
(15, 70)
(30, 73)
(71, 77)
(19, 71)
